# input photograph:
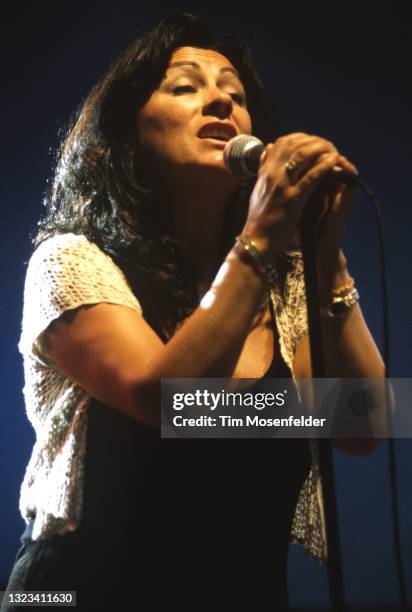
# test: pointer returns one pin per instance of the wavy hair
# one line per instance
(96, 189)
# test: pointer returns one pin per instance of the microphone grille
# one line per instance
(235, 151)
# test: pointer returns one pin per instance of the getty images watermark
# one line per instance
(323, 408)
(258, 401)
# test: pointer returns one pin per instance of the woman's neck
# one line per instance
(198, 224)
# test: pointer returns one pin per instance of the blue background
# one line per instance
(340, 71)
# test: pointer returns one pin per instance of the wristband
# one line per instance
(267, 269)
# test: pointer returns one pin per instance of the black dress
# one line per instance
(196, 524)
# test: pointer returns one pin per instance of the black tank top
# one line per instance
(137, 486)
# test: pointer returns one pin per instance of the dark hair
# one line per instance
(96, 190)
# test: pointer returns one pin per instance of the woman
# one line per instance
(138, 275)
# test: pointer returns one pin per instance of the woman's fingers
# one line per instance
(293, 155)
(291, 169)
(305, 157)
(316, 174)
(347, 165)
(345, 194)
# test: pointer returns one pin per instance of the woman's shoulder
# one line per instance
(75, 264)
(70, 255)
(67, 271)
(64, 244)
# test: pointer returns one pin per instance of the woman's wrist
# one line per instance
(247, 249)
(246, 266)
(269, 243)
(332, 273)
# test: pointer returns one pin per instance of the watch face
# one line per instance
(340, 304)
(339, 308)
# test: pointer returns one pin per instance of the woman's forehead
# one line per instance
(199, 56)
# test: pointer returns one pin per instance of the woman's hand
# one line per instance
(291, 169)
(337, 203)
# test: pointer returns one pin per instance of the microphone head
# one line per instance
(236, 151)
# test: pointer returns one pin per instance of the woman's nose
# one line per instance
(218, 103)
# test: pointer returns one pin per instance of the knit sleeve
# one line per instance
(65, 272)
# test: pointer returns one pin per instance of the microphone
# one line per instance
(242, 156)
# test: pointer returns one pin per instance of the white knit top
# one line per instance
(65, 272)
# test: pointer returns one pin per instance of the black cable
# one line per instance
(386, 357)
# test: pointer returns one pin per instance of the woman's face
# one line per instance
(197, 108)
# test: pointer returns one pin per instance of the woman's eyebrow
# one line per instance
(197, 67)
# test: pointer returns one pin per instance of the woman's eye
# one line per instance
(238, 98)
(183, 89)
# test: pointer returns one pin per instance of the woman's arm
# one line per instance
(112, 353)
(349, 349)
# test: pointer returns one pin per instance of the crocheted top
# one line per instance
(65, 272)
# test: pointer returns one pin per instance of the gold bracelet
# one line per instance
(340, 304)
(344, 288)
(263, 266)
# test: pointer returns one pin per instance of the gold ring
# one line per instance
(292, 167)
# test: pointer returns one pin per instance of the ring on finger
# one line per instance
(292, 168)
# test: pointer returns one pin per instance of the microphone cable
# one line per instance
(393, 477)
